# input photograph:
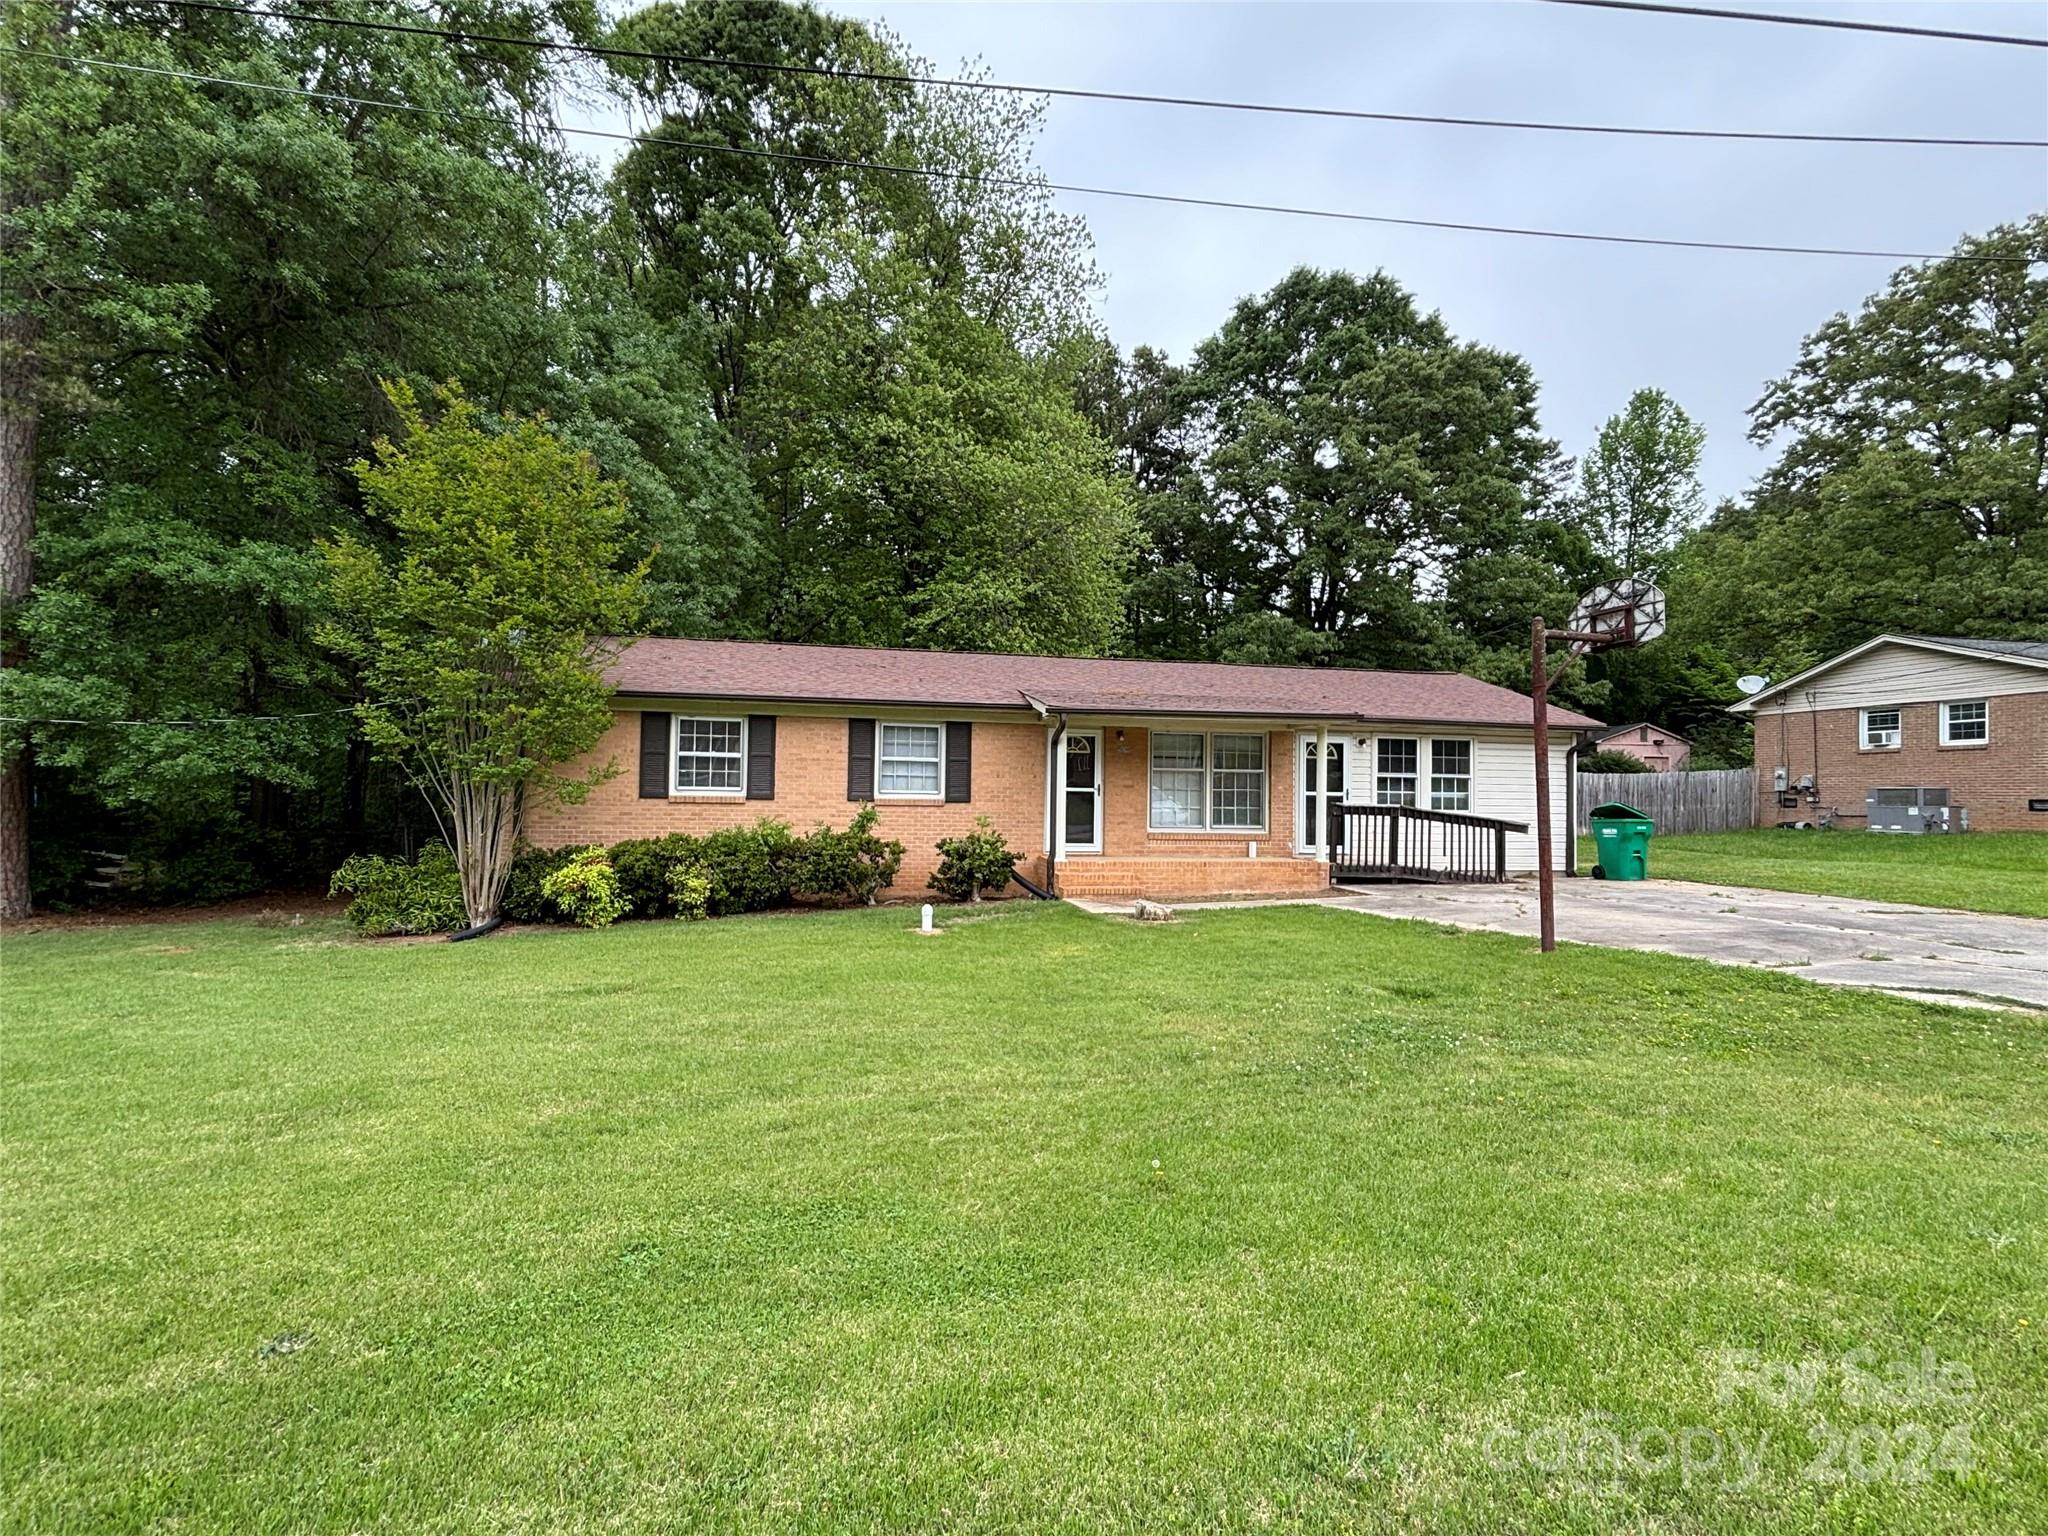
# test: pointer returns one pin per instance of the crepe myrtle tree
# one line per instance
(479, 634)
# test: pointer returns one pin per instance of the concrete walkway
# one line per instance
(1921, 952)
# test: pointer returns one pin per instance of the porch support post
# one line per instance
(1319, 834)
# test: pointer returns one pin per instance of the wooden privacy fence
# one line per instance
(1712, 800)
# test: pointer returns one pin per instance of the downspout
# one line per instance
(1052, 796)
(1571, 803)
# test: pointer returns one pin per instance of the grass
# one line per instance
(1975, 872)
(1280, 1218)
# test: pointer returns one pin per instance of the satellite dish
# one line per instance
(1751, 683)
(1629, 611)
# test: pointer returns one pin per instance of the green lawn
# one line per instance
(1280, 1218)
(1976, 872)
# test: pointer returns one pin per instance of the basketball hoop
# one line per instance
(1628, 611)
(1625, 612)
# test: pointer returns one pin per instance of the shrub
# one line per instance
(748, 867)
(731, 870)
(524, 900)
(690, 892)
(1612, 760)
(844, 866)
(394, 897)
(646, 865)
(980, 861)
(586, 889)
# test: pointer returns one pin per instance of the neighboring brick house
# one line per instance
(1915, 729)
(1657, 749)
(1114, 778)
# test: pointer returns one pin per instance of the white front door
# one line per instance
(1081, 792)
(1319, 791)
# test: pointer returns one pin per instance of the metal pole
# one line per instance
(1539, 693)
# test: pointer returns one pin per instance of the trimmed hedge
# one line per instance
(718, 874)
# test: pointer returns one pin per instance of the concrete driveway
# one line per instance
(1919, 952)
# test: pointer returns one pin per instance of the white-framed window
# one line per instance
(710, 755)
(1965, 723)
(910, 760)
(1237, 784)
(1450, 775)
(1880, 731)
(1394, 770)
(1205, 782)
(1180, 765)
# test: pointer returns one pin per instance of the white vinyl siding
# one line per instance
(1503, 786)
(1887, 676)
(909, 761)
(710, 756)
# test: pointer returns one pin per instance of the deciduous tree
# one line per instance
(479, 640)
(1639, 488)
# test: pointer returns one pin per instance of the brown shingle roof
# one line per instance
(835, 674)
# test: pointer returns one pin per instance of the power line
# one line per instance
(1078, 93)
(1781, 19)
(1039, 184)
(310, 714)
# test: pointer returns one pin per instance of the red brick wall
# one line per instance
(1994, 782)
(810, 787)
(1126, 787)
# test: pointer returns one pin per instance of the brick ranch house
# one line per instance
(1114, 778)
(1904, 728)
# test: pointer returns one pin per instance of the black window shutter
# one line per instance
(959, 760)
(655, 768)
(860, 759)
(760, 757)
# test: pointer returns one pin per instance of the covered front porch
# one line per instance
(1196, 807)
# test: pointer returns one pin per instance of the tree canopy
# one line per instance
(836, 348)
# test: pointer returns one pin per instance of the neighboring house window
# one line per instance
(1203, 782)
(1179, 765)
(1880, 729)
(909, 760)
(1450, 775)
(1394, 784)
(711, 755)
(1965, 724)
(1237, 789)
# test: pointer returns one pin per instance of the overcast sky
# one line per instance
(1596, 322)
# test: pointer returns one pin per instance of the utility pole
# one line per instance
(1546, 873)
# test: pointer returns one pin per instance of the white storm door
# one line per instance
(1081, 792)
(1318, 791)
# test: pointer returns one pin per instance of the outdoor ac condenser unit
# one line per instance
(1907, 810)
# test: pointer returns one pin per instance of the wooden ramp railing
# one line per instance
(1404, 842)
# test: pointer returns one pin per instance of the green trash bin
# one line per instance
(1621, 840)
